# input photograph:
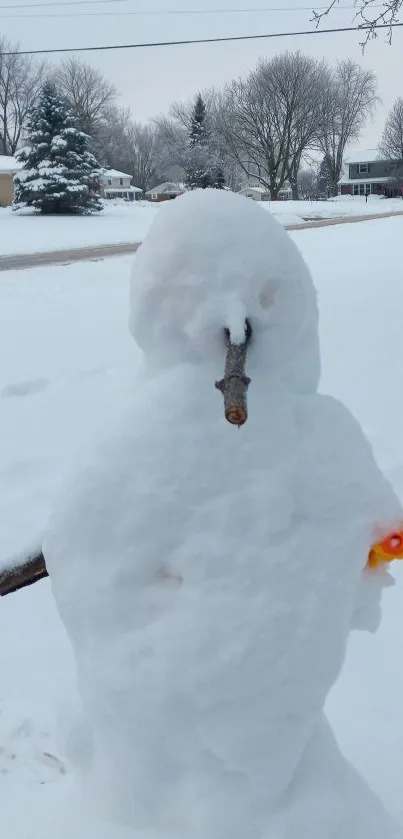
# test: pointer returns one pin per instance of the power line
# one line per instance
(190, 41)
(163, 12)
(167, 12)
(69, 3)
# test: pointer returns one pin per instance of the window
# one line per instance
(121, 181)
(362, 189)
(110, 182)
(363, 168)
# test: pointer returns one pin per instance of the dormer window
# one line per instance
(363, 168)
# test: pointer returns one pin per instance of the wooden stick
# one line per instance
(32, 570)
(235, 383)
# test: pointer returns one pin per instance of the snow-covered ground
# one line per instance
(126, 222)
(65, 364)
(341, 207)
(26, 232)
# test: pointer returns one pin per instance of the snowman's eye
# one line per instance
(267, 295)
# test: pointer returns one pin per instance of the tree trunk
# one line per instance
(295, 196)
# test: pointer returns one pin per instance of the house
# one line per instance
(285, 193)
(260, 193)
(257, 193)
(8, 168)
(115, 184)
(368, 172)
(164, 192)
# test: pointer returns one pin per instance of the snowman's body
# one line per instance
(208, 577)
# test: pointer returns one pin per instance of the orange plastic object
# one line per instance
(391, 548)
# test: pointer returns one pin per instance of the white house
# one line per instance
(257, 193)
(115, 184)
(260, 193)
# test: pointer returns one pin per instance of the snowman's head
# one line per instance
(210, 260)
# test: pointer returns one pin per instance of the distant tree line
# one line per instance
(268, 127)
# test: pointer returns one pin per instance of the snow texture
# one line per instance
(208, 578)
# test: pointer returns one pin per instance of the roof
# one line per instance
(365, 180)
(364, 156)
(257, 188)
(8, 164)
(122, 189)
(114, 173)
(168, 188)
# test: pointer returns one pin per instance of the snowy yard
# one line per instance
(66, 360)
(128, 222)
(28, 233)
(341, 207)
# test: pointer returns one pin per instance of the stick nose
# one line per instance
(235, 383)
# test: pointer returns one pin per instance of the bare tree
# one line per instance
(111, 136)
(369, 16)
(142, 149)
(391, 144)
(88, 93)
(349, 98)
(308, 184)
(130, 146)
(172, 142)
(20, 80)
(268, 120)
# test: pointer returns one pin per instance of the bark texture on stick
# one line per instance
(234, 385)
(32, 570)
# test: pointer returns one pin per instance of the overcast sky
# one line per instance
(148, 80)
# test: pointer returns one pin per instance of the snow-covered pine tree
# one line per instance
(218, 177)
(325, 177)
(59, 173)
(203, 166)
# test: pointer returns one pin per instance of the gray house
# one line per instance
(369, 173)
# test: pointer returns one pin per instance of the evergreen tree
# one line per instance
(325, 177)
(203, 168)
(59, 173)
(218, 178)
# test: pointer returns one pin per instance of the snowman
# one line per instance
(210, 560)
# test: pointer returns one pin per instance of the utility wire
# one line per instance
(184, 12)
(167, 13)
(189, 41)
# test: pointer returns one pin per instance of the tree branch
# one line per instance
(235, 383)
(20, 576)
